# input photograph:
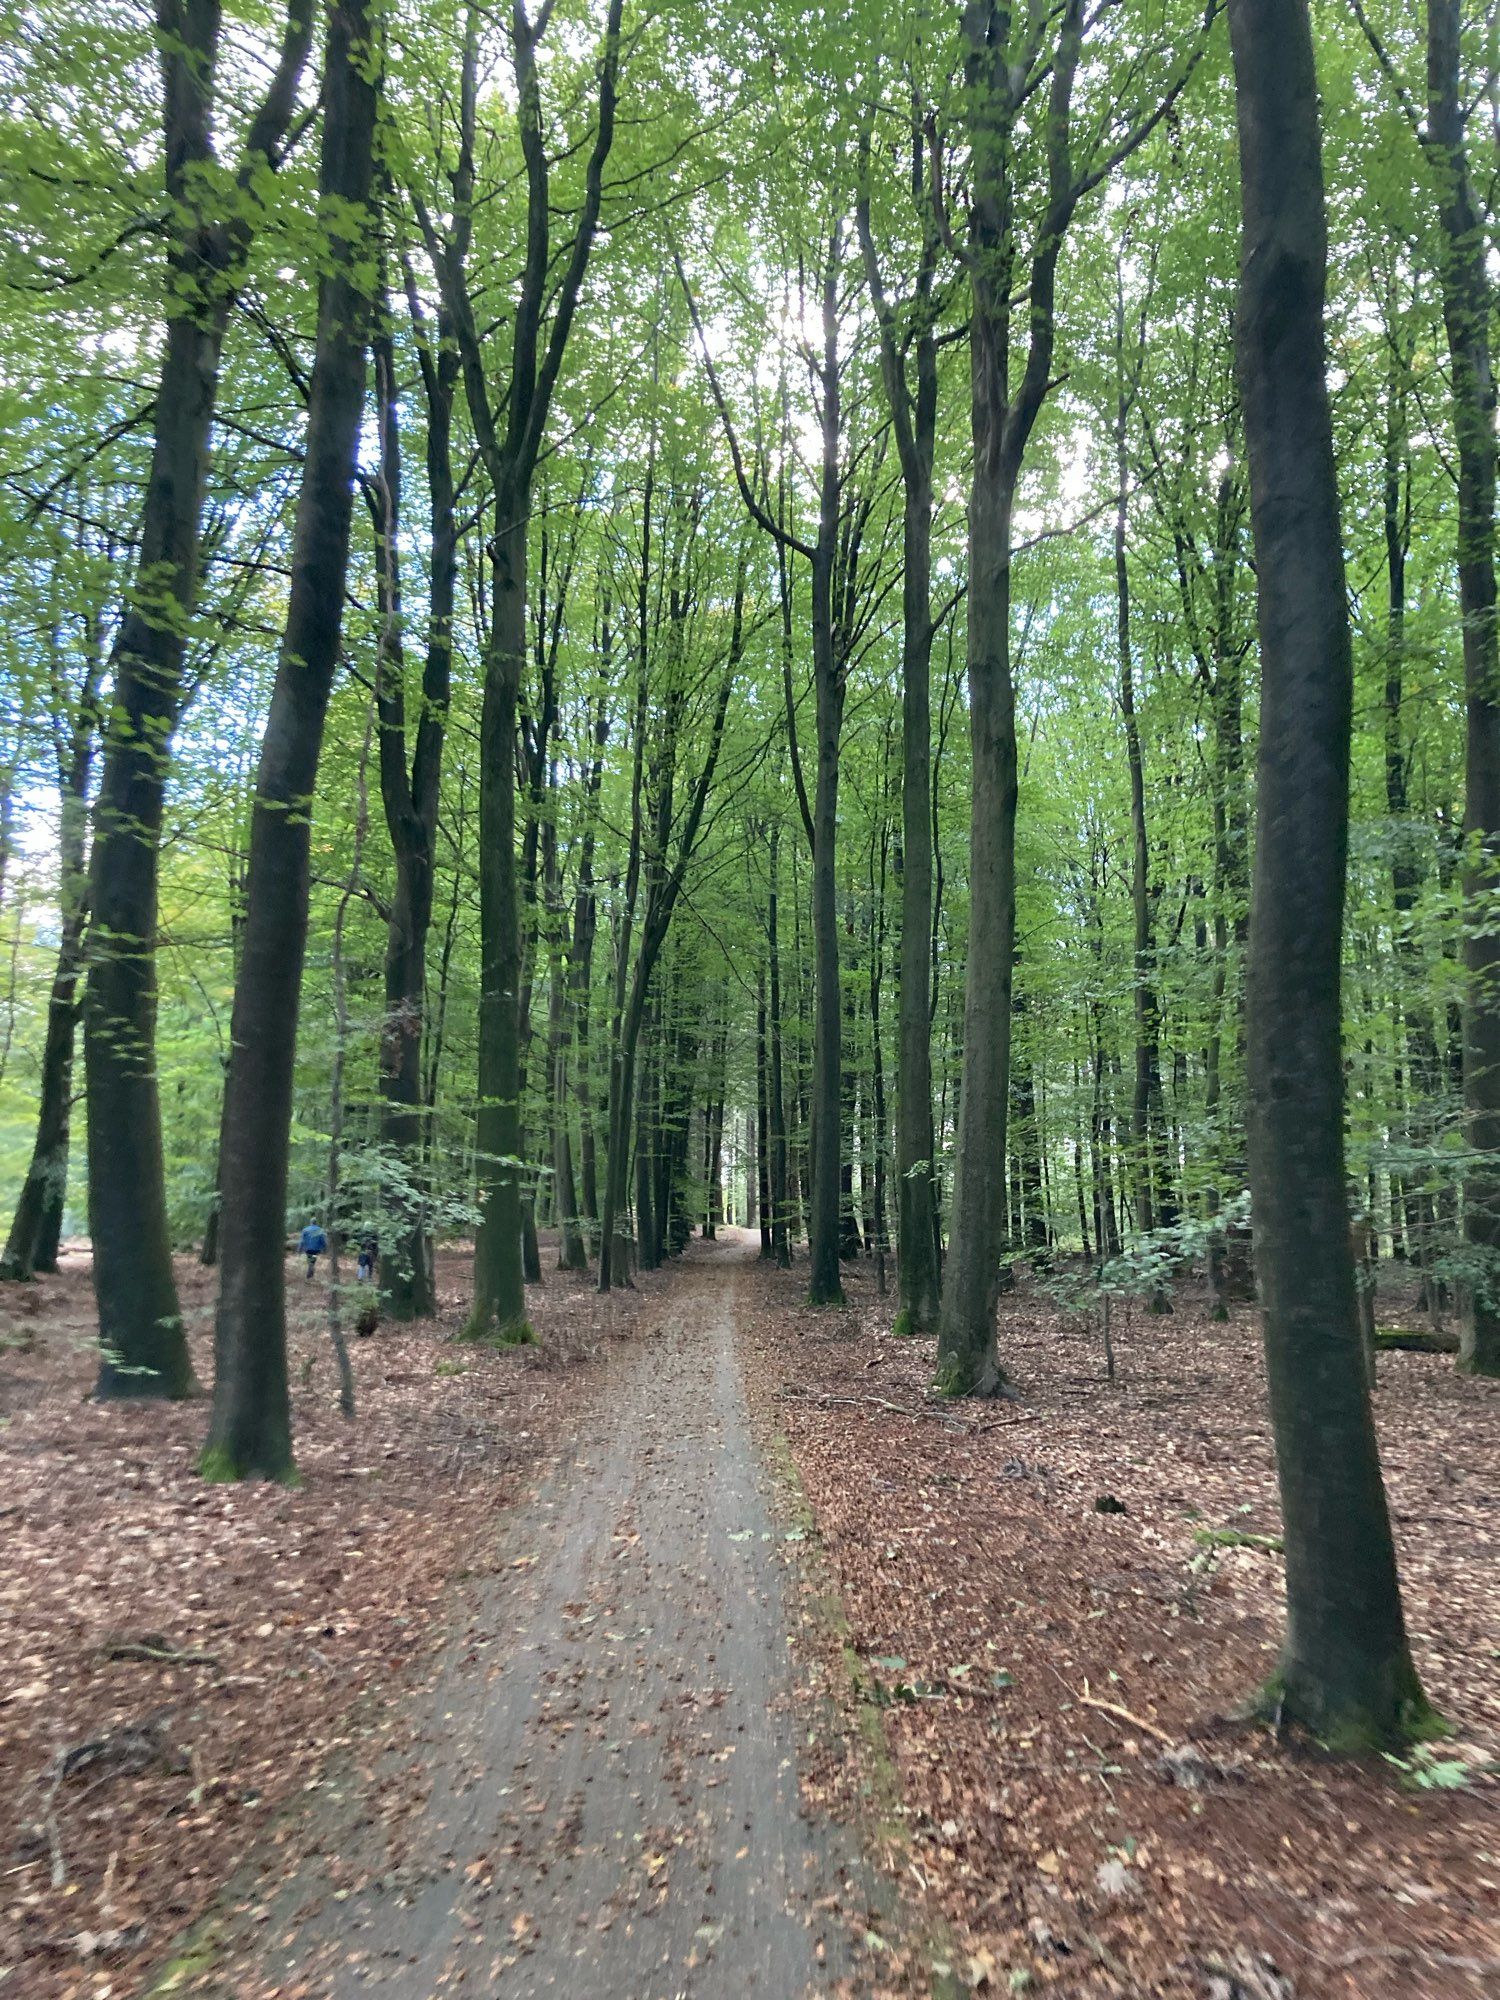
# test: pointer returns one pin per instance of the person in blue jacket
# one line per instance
(312, 1243)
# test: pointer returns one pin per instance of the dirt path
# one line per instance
(613, 1808)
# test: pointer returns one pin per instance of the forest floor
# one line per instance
(1067, 1797)
(133, 1782)
(696, 1653)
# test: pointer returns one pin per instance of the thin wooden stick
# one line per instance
(1124, 1715)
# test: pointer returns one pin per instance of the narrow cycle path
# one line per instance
(613, 1810)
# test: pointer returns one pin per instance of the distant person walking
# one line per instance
(312, 1243)
(369, 1256)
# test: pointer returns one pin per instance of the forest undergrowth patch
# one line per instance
(1057, 1604)
(179, 1660)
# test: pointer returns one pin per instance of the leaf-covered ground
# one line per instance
(1066, 1803)
(133, 1782)
(1032, 1645)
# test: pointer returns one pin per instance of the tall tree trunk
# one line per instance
(499, 1310)
(762, 1120)
(1147, 1019)
(509, 431)
(645, 1133)
(572, 1254)
(1468, 307)
(36, 1228)
(825, 1286)
(879, 1134)
(1346, 1671)
(914, 407)
(250, 1433)
(581, 950)
(143, 1346)
(410, 800)
(851, 1242)
(781, 1246)
(1001, 419)
(332, 1180)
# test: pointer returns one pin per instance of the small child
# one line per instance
(369, 1252)
(312, 1243)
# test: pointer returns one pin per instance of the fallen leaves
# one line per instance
(1094, 1829)
(175, 1658)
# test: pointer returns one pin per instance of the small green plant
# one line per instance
(1427, 1769)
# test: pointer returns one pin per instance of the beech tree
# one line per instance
(509, 427)
(1346, 1669)
(212, 229)
(251, 1427)
(1007, 63)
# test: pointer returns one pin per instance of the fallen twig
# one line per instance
(1124, 1715)
(152, 1646)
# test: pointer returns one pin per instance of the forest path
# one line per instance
(613, 1811)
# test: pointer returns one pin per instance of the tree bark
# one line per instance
(143, 1347)
(781, 1247)
(913, 399)
(250, 1433)
(36, 1227)
(499, 1309)
(509, 432)
(409, 796)
(1468, 305)
(968, 1360)
(1147, 1090)
(1346, 1671)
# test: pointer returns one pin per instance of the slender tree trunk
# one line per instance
(509, 431)
(36, 1228)
(781, 1246)
(250, 1432)
(879, 1133)
(762, 1121)
(573, 1253)
(1147, 1019)
(410, 799)
(825, 1286)
(914, 406)
(851, 1242)
(1002, 417)
(1468, 307)
(499, 1311)
(918, 1272)
(581, 953)
(333, 1178)
(645, 1131)
(1346, 1671)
